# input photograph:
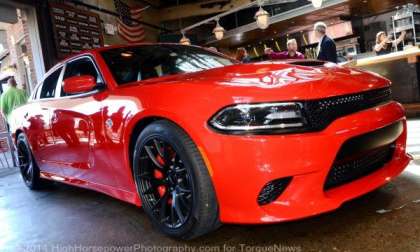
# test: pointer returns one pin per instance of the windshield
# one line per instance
(149, 61)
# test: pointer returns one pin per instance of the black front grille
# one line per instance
(351, 168)
(320, 113)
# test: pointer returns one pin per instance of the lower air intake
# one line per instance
(272, 190)
(345, 172)
(363, 155)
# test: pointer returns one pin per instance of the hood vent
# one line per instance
(309, 63)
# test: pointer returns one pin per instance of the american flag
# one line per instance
(128, 29)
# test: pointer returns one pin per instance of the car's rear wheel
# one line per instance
(173, 182)
(27, 165)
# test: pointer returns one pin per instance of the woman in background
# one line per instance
(384, 43)
(242, 55)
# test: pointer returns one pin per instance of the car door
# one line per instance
(77, 125)
(38, 122)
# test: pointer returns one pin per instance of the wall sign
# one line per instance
(75, 30)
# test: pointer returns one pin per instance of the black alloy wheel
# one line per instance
(165, 183)
(173, 182)
(27, 165)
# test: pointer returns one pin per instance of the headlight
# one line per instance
(260, 118)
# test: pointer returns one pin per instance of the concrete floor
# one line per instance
(64, 218)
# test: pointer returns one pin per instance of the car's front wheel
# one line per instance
(173, 182)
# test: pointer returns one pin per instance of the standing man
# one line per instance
(12, 98)
(291, 53)
(326, 47)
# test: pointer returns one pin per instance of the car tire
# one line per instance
(169, 170)
(29, 170)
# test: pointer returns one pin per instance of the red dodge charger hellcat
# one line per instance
(197, 139)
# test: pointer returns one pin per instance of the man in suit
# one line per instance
(326, 47)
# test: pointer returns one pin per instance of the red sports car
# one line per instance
(197, 139)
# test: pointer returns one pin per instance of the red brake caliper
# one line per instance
(159, 175)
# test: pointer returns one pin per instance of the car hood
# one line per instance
(276, 81)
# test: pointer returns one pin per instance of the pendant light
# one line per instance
(218, 31)
(263, 18)
(184, 40)
(317, 3)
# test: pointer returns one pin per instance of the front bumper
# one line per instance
(241, 165)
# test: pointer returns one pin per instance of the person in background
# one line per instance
(291, 53)
(12, 98)
(384, 43)
(267, 52)
(242, 55)
(326, 50)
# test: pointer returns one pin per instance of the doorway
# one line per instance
(20, 47)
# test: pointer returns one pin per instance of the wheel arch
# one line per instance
(140, 124)
(141, 120)
(138, 127)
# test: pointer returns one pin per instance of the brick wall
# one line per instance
(18, 35)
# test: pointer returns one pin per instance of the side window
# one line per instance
(80, 67)
(49, 85)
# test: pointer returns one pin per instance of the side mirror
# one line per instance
(79, 84)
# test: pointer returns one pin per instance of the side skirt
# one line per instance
(123, 195)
